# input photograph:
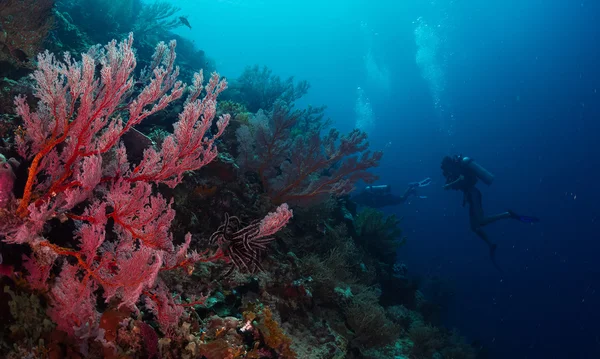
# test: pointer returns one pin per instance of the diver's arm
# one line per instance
(454, 183)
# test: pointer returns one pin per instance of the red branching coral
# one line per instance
(303, 167)
(150, 340)
(74, 303)
(73, 142)
(79, 171)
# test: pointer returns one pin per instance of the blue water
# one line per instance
(514, 84)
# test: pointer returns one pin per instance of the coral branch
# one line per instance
(295, 164)
(80, 172)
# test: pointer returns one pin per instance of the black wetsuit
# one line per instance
(461, 177)
(473, 197)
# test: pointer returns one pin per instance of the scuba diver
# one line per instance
(462, 174)
(381, 196)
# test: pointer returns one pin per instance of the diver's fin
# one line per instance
(426, 182)
(524, 219)
(423, 183)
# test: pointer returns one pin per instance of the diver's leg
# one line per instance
(508, 214)
(478, 220)
(491, 219)
(476, 199)
(476, 227)
(492, 246)
(481, 234)
(476, 216)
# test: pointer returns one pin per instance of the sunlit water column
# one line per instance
(430, 62)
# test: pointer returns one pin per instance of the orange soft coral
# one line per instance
(272, 334)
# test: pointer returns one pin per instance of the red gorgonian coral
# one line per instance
(299, 165)
(79, 171)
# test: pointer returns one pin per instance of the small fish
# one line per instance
(185, 21)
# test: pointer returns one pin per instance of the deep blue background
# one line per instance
(522, 85)
(522, 82)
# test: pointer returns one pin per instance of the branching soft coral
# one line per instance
(369, 322)
(379, 235)
(157, 18)
(79, 171)
(426, 340)
(259, 89)
(7, 180)
(74, 303)
(304, 167)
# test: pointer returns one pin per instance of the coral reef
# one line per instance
(144, 218)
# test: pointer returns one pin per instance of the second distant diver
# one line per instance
(462, 174)
(381, 196)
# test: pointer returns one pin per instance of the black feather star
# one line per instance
(242, 245)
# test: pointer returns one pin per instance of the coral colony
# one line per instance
(143, 217)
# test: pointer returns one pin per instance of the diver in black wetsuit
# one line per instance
(462, 174)
(381, 196)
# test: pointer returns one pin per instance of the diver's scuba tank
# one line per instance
(484, 175)
(381, 189)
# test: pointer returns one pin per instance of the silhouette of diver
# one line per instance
(461, 174)
(381, 196)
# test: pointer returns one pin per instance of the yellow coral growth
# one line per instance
(238, 111)
(220, 349)
(273, 335)
(231, 107)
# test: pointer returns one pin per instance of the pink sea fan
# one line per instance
(274, 221)
(150, 340)
(162, 304)
(7, 179)
(79, 172)
(73, 306)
